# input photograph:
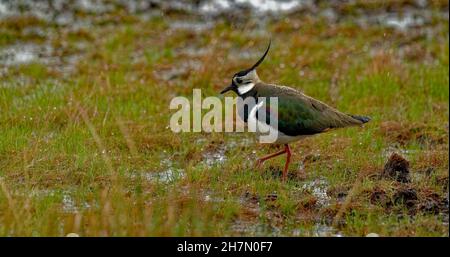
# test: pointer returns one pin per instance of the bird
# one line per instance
(299, 115)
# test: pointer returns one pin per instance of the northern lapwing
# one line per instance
(298, 115)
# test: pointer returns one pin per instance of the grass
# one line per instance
(82, 153)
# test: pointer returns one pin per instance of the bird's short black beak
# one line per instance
(230, 87)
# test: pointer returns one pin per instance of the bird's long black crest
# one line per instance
(262, 58)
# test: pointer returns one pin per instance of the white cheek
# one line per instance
(244, 89)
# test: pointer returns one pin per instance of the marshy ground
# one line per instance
(85, 146)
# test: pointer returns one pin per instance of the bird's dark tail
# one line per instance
(363, 119)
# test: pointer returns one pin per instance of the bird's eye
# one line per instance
(238, 80)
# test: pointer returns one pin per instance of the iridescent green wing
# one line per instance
(299, 114)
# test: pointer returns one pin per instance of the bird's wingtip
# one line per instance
(363, 119)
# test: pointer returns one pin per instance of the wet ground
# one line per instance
(36, 31)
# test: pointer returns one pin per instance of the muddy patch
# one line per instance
(247, 225)
(378, 196)
(295, 173)
(252, 200)
(339, 192)
(433, 203)
(397, 168)
(408, 197)
(403, 134)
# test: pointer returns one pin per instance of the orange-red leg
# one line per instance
(286, 150)
(267, 157)
(288, 160)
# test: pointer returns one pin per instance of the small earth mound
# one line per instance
(379, 196)
(292, 175)
(406, 196)
(397, 168)
(433, 203)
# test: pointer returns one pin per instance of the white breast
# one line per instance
(262, 126)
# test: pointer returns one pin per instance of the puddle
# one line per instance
(329, 14)
(387, 152)
(256, 6)
(209, 196)
(167, 176)
(47, 10)
(214, 157)
(215, 6)
(319, 230)
(196, 26)
(322, 230)
(272, 5)
(403, 23)
(3, 9)
(63, 10)
(243, 54)
(94, 6)
(403, 20)
(86, 14)
(318, 188)
(179, 71)
(239, 141)
(26, 53)
(191, 51)
(248, 228)
(21, 54)
(68, 203)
